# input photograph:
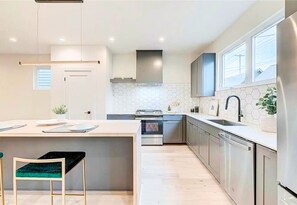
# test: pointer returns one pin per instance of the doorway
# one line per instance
(80, 94)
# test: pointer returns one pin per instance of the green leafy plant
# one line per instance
(268, 101)
(60, 110)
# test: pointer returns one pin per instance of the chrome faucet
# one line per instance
(239, 106)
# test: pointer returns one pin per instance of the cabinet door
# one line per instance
(194, 75)
(204, 143)
(173, 131)
(188, 133)
(266, 177)
(195, 139)
(214, 156)
(200, 80)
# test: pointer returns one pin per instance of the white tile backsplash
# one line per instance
(128, 97)
(249, 97)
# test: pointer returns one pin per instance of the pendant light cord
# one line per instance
(37, 32)
(81, 31)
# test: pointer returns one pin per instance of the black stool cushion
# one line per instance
(51, 170)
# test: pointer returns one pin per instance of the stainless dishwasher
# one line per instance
(237, 173)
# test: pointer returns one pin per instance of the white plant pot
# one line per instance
(268, 124)
(61, 117)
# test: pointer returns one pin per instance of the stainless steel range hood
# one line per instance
(149, 66)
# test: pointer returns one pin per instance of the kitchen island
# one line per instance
(113, 152)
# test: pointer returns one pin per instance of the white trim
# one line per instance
(264, 82)
(248, 39)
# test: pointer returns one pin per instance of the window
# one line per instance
(234, 66)
(265, 55)
(252, 59)
(43, 78)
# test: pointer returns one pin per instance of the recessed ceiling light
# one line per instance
(13, 39)
(111, 39)
(62, 39)
(161, 39)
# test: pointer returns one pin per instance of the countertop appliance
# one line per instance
(151, 126)
(237, 174)
(287, 111)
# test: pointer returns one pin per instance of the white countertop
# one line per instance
(249, 132)
(107, 128)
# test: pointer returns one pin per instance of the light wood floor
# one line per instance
(172, 175)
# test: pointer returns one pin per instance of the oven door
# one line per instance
(152, 132)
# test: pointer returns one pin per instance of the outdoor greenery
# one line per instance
(268, 101)
(62, 109)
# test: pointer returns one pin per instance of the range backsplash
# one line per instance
(128, 97)
(249, 97)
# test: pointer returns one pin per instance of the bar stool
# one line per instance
(52, 166)
(1, 179)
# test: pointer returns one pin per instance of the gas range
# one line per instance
(151, 126)
(150, 112)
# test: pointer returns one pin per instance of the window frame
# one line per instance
(35, 82)
(250, 59)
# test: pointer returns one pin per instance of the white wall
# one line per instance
(258, 14)
(102, 74)
(253, 17)
(18, 99)
(176, 67)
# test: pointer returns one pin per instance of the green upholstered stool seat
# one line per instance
(51, 170)
(1, 154)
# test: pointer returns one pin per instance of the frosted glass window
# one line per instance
(43, 78)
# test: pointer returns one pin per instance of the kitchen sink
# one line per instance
(226, 122)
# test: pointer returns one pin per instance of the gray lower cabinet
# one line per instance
(173, 131)
(192, 136)
(174, 128)
(203, 146)
(266, 176)
(214, 156)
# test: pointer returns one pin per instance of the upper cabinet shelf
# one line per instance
(203, 75)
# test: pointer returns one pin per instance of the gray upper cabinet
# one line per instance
(266, 176)
(203, 75)
(149, 66)
(173, 128)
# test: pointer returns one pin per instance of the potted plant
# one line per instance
(269, 103)
(60, 112)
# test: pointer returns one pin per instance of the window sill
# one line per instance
(265, 82)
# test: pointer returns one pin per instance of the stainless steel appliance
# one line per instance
(287, 110)
(151, 126)
(237, 168)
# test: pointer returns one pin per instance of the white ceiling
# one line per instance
(186, 25)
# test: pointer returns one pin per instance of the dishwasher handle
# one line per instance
(230, 141)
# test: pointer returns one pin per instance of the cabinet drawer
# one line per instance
(120, 117)
(210, 129)
(173, 117)
(192, 121)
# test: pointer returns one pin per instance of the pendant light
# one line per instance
(45, 63)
